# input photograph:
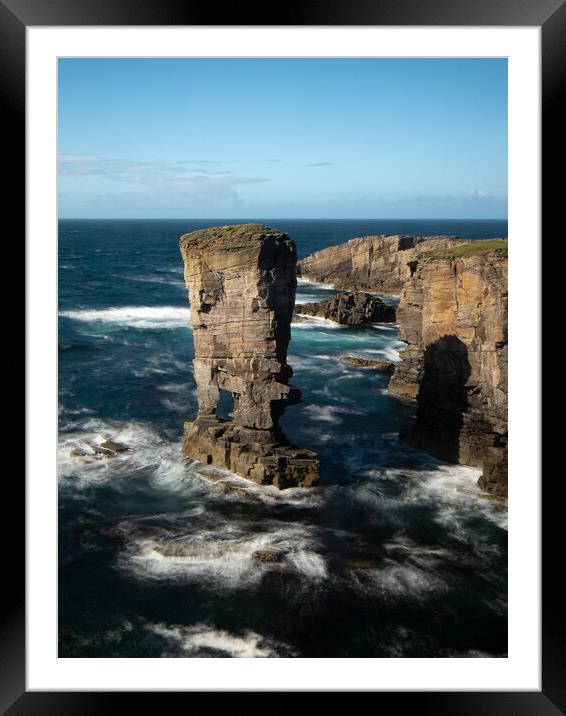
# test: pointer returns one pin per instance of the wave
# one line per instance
(412, 581)
(306, 297)
(330, 413)
(389, 327)
(388, 353)
(161, 364)
(316, 322)
(316, 284)
(451, 490)
(153, 279)
(150, 455)
(135, 316)
(203, 640)
(197, 547)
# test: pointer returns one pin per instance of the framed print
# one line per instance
(266, 350)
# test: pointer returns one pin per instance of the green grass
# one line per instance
(474, 248)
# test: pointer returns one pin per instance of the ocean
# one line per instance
(395, 554)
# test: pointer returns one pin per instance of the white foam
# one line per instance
(406, 580)
(135, 316)
(389, 327)
(389, 352)
(330, 413)
(316, 284)
(239, 489)
(175, 406)
(200, 548)
(310, 564)
(324, 413)
(179, 397)
(452, 490)
(306, 297)
(316, 322)
(148, 451)
(193, 640)
(153, 279)
(310, 361)
(160, 364)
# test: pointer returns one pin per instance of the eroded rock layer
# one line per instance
(371, 263)
(350, 309)
(453, 316)
(241, 282)
(381, 366)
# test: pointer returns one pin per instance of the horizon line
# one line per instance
(271, 218)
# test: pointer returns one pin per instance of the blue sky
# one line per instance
(282, 138)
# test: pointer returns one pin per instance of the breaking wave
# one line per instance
(315, 284)
(203, 640)
(316, 322)
(135, 316)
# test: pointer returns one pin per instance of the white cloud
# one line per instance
(158, 182)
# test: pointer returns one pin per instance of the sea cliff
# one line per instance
(371, 263)
(453, 317)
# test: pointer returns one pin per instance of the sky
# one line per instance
(282, 138)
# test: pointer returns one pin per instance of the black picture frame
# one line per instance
(550, 15)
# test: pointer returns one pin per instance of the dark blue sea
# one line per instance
(395, 554)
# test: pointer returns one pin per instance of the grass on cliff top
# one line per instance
(234, 237)
(474, 248)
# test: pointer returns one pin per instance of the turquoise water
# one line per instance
(395, 554)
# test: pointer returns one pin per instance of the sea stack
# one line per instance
(242, 282)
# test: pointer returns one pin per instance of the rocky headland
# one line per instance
(371, 263)
(453, 317)
(241, 282)
(349, 309)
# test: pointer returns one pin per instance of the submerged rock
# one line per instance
(100, 450)
(350, 309)
(241, 282)
(80, 452)
(268, 555)
(106, 449)
(114, 447)
(382, 366)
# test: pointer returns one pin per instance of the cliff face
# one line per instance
(453, 316)
(373, 263)
(241, 282)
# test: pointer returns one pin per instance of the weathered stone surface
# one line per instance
(453, 316)
(372, 263)
(268, 555)
(494, 477)
(114, 446)
(241, 282)
(100, 450)
(382, 366)
(350, 309)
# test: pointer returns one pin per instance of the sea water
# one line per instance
(395, 554)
